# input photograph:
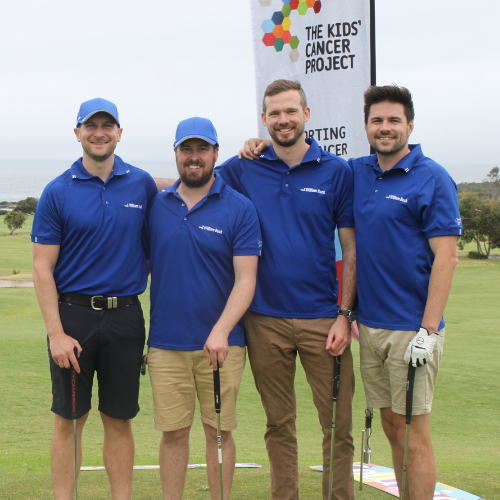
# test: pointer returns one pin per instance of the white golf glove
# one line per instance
(420, 349)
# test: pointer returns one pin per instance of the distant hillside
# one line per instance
(475, 187)
(489, 188)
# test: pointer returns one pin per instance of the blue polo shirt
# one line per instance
(192, 273)
(299, 209)
(395, 213)
(98, 226)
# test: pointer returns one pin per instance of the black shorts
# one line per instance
(113, 344)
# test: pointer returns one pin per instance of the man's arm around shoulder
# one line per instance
(61, 345)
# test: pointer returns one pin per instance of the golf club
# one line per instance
(409, 407)
(219, 439)
(366, 450)
(74, 396)
(335, 397)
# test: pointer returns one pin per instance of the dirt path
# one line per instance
(12, 283)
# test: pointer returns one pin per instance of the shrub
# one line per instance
(477, 255)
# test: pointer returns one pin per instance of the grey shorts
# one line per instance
(384, 371)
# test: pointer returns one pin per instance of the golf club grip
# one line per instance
(409, 392)
(217, 390)
(336, 376)
(368, 418)
(74, 390)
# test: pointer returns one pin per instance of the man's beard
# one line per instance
(99, 158)
(396, 148)
(299, 133)
(195, 182)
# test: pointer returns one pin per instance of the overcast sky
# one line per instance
(162, 61)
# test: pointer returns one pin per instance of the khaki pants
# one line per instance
(273, 344)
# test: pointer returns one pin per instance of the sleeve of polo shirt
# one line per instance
(47, 224)
(151, 189)
(231, 171)
(439, 204)
(151, 192)
(247, 239)
(344, 192)
(146, 234)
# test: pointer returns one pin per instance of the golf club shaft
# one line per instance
(74, 416)
(409, 408)
(76, 459)
(219, 434)
(335, 397)
(366, 452)
(362, 458)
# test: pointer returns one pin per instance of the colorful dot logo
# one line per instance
(277, 29)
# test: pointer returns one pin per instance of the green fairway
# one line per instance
(465, 419)
(16, 255)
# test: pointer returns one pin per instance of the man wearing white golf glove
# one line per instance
(420, 348)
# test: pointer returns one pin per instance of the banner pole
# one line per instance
(373, 57)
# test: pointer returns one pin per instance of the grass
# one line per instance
(465, 423)
(16, 254)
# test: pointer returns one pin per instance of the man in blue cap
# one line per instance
(301, 194)
(205, 242)
(89, 267)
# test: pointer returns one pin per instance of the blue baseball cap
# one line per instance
(97, 105)
(196, 127)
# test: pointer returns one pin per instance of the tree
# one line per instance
(14, 220)
(493, 184)
(481, 222)
(27, 206)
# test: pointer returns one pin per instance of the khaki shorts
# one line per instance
(384, 371)
(177, 377)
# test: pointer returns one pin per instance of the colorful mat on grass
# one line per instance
(383, 478)
(246, 465)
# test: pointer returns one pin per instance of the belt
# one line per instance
(98, 302)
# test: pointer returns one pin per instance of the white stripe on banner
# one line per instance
(326, 45)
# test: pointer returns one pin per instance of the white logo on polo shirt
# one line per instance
(133, 205)
(208, 228)
(397, 198)
(313, 190)
(458, 220)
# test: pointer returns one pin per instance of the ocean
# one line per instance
(21, 178)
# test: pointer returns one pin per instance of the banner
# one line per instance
(326, 45)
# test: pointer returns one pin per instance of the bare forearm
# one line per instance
(237, 304)
(339, 336)
(445, 261)
(439, 290)
(62, 346)
(349, 289)
(46, 293)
